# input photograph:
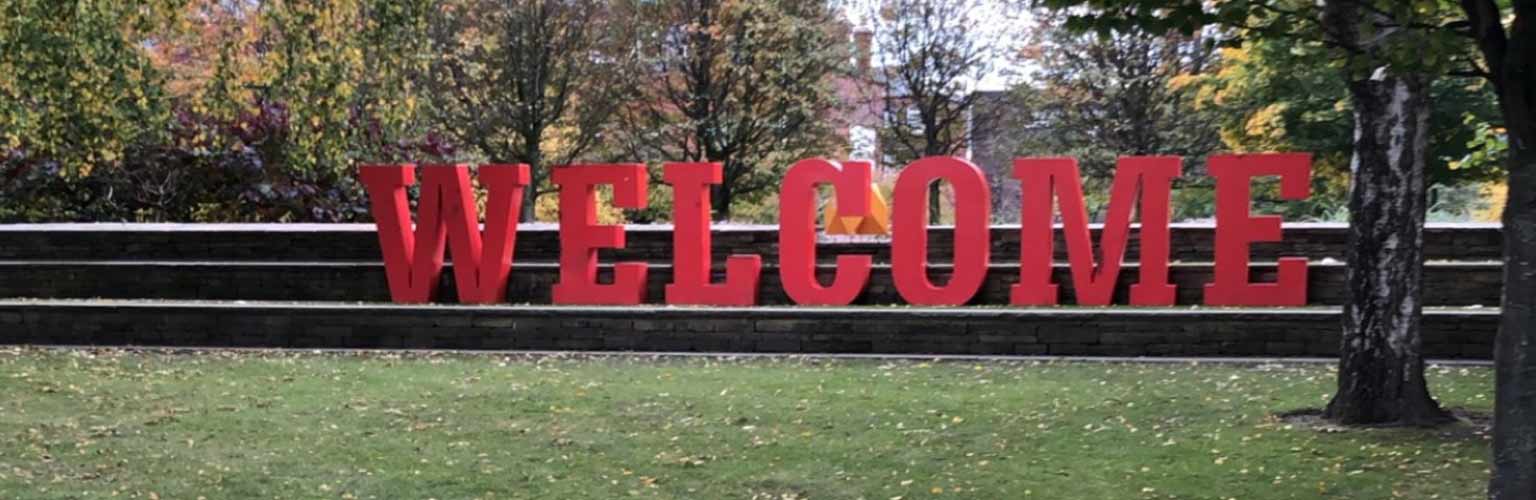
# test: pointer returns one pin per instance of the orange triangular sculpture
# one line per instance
(877, 222)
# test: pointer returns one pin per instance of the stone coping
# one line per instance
(967, 312)
(545, 264)
(546, 226)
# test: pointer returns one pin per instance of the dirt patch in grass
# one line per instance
(1467, 424)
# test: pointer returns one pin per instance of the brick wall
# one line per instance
(1067, 331)
(335, 295)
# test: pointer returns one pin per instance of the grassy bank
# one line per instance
(136, 425)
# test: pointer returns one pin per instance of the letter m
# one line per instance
(1093, 283)
(446, 218)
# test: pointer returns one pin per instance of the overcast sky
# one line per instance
(1009, 27)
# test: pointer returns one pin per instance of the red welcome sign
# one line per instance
(448, 218)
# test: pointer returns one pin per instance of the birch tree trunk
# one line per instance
(1381, 371)
(1381, 368)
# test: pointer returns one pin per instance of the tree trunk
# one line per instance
(1381, 369)
(1507, 56)
(934, 147)
(530, 203)
(534, 157)
(720, 201)
(1514, 408)
(935, 204)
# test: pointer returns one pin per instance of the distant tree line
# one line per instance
(261, 110)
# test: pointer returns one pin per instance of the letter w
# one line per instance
(1094, 284)
(446, 218)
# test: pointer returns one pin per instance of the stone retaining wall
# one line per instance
(318, 267)
(1054, 331)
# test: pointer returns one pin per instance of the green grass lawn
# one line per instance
(244, 425)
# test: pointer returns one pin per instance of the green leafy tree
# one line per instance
(1389, 53)
(1281, 95)
(1285, 95)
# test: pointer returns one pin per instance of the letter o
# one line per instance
(909, 241)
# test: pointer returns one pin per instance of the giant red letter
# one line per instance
(581, 236)
(1094, 283)
(797, 230)
(690, 243)
(972, 237)
(413, 260)
(1236, 228)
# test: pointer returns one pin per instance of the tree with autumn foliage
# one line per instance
(1099, 98)
(930, 60)
(204, 109)
(1285, 95)
(747, 84)
(76, 90)
(523, 81)
(318, 87)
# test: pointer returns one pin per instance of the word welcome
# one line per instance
(448, 218)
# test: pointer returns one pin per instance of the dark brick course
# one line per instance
(1459, 333)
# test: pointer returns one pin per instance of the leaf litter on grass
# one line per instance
(328, 425)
